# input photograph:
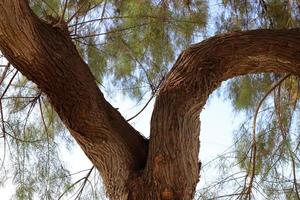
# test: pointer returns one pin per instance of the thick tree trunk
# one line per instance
(45, 55)
(168, 168)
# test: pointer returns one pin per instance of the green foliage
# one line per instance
(279, 14)
(277, 131)
(46, 8)
(31, 131)
(132, 44)
(96, 60)
(274, 140)
(245, 92)
(137, 42)
(244, 15)
(276, 136)
(82, 7)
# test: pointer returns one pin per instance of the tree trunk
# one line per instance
(167, 168)
(47, 56)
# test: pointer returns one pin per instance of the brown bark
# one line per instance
(173, 148)
(47, 56)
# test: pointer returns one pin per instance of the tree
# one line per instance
(166, 166)
(267, 142)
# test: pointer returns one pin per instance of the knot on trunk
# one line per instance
(167, 194)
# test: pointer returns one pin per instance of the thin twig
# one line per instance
(84, 183)
(2, 120)
(254, 146)
(8, 85)
(78, 181)
(295, 184)
(141, 65)
(23, 141)
(79, 9)
(42, 115)
(75, 14)
(4, 73)
(64, 11)
(153, 95)
(33, 103)
(46, 130)
(71, 186)
(51, 8)
(110, 32)
(4, 153)
(103, 11)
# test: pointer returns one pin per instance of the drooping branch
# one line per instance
(47, 56)
(175, 125)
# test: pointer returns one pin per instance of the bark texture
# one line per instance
(168, 168)
(172, 164)
(47, 56)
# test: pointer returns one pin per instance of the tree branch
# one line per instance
(199, 70)
(47, 56)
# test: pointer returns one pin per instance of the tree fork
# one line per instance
(169, 167)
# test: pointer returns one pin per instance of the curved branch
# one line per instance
(199, 70)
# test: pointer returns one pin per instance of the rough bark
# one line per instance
(172, 164)
(46, 55)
